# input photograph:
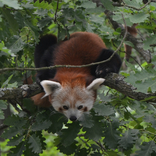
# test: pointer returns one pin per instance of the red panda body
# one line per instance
(77, 52)
(72, 91)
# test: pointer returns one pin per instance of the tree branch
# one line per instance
(113, 80)
(138, 45)
(117, 82)
(25, 91)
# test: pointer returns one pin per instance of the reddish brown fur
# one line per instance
(41, 102)
(37, 98)
(85, 51)
(71, 80)
(85, 109)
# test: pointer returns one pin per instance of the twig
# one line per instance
(70, 66)
(101, 146)
(135, 60)
(138, 46)
(83, 140)
(3, 127)
(124, 4)
(124, 34)
(56, 11)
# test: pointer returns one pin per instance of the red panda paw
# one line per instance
(102, 70)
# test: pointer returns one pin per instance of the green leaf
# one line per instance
(3, 105)
(10, 132)
(34, 30)
(12, 3)
(10, 18)
(150, 119)
(96, 154)
(15, 44)
(103, 97)
(4, 49)
(147, 148)
(139, 17)
(15, 141)
(96, 131)
(143, 80)
(57, 120)
(28, 151)
(7, 81)
(129, 43)
(69, 134)
(35, 143)
(128, 138)
(82, 152)
(41, 121)
(96, 19)
(41, 12)
(103, 109)
(86, 120)
(88, 4)
(68, 149)
(149, 41)
(111, 134)
(43, 5)
(18, 150)
(27, 5)
(132, 3)
(37, 126)
(42, 23)
(28, 104)
(107, 4)
(112, 153)
(15, 120)
(95, 10)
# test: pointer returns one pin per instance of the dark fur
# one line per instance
(44, 56)
(111, 66)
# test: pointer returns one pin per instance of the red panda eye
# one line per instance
(65, 107)
(80, 107)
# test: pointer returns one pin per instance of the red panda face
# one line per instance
(72, 102)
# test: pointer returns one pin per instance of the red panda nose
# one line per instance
(73, 118)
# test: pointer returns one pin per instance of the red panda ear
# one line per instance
(49, 87)
(95, 84)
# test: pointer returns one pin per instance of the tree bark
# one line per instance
(113, 80)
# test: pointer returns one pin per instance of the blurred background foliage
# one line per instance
(117, 125)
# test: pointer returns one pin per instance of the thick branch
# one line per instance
(24, 91)
(113, 80)
(117, 82)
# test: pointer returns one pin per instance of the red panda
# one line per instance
(72, 91)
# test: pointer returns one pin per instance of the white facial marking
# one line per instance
(50, 87)
(73, 98)
(95, 84)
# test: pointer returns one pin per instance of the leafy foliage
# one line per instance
(117, 125)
